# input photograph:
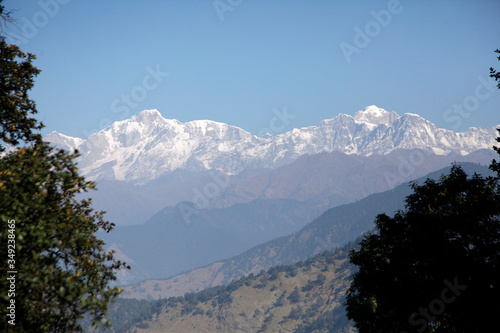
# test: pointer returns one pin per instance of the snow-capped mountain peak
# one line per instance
(62, 141)
(376, 116)
(152, 114)
(147, 145)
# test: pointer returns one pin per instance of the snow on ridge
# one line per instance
(376, 116)
(63, 141)
(147, 145)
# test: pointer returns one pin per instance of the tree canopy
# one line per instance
(493, 73)
(435, 266)
(54, 268)
(16, 79)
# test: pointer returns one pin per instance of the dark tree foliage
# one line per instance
(493, 73)
(294, 296)
(434, 267)
(16, 79)
(59, 269)
(63, 271)
(495, 166)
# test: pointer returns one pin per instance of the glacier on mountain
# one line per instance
(147, 145)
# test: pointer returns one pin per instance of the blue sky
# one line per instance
(241, 61)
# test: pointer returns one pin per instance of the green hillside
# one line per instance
(305, 297)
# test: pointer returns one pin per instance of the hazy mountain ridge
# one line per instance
(256, 209)
(213, 234)
(326, 179)
(333, 228)
(147, 145)
(333, 178)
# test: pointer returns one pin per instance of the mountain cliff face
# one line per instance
(148, 146)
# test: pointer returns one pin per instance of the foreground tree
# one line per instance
(495, 166)
(62, 270)
(434, 267)
(493, 73)
(16, 79)
(54, 268)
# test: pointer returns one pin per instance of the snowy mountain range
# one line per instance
(147, 146)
